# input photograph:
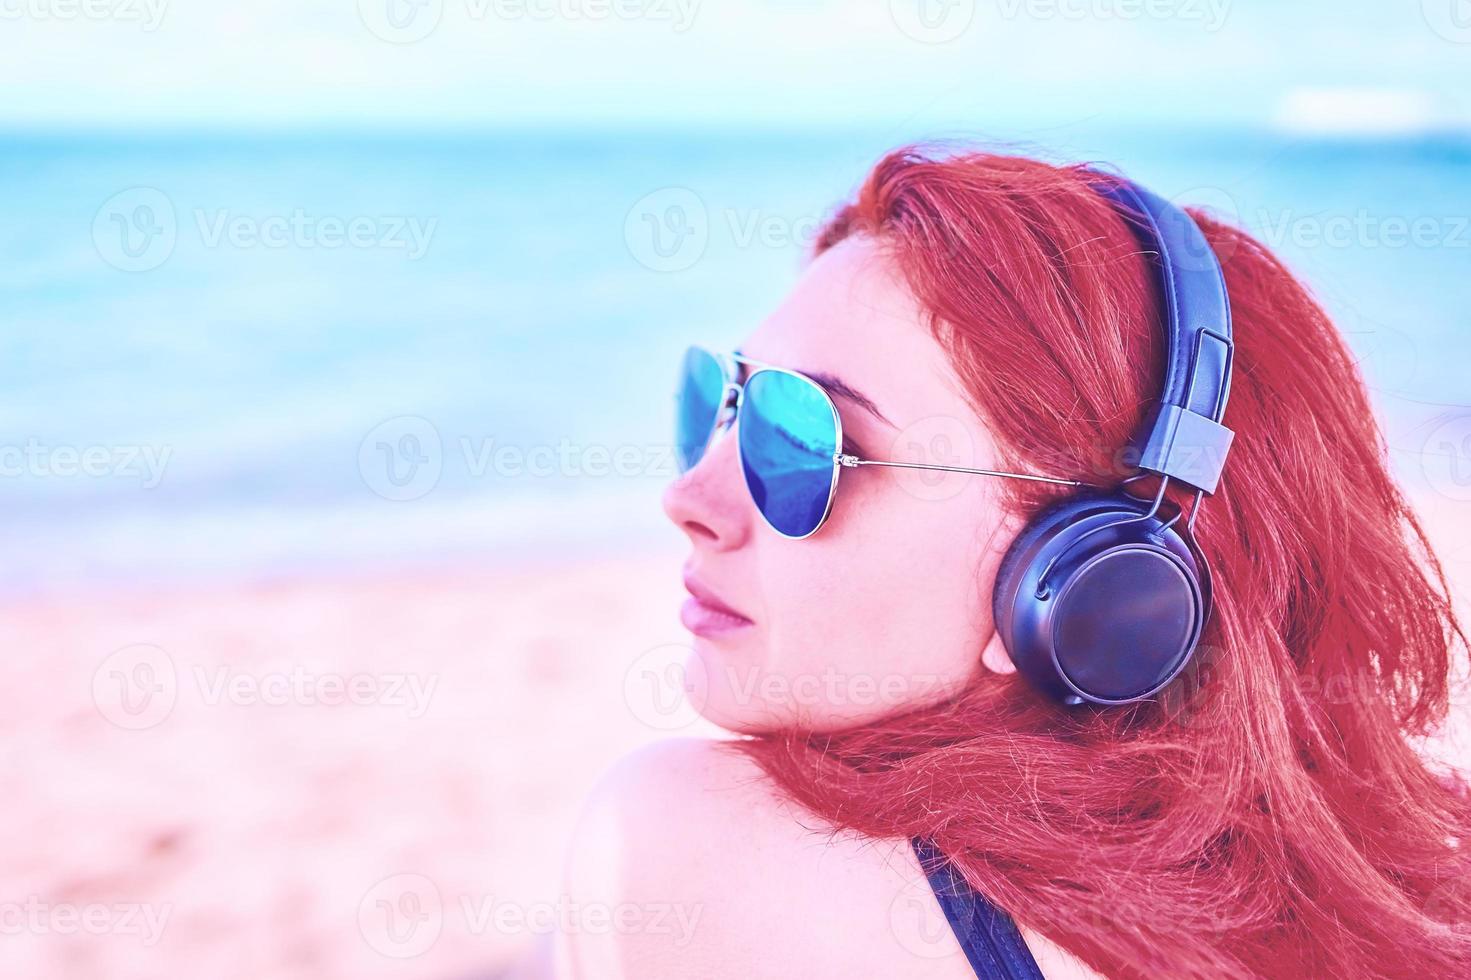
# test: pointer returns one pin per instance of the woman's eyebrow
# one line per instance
(837, 386)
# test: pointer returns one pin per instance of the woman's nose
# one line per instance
(709, 502)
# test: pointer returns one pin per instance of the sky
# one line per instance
(1377, 66)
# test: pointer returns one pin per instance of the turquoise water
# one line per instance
(285, 325)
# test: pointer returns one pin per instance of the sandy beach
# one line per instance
(243, 819)
(349, 775)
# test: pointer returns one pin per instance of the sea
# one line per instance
(228, 354)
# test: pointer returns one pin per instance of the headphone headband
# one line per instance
(1183, 437)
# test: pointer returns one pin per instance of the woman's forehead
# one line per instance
(851, 319)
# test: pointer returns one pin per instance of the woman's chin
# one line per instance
(750, 701)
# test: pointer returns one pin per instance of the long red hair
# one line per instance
(1269, 814)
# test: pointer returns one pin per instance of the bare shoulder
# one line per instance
(695, 866)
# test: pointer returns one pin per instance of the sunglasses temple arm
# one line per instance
(843, 459)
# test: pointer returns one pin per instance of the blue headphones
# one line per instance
(1102, 598)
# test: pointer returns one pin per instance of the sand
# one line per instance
(348, 775)
(238, 825)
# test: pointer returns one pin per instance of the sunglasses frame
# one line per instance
(733, 397)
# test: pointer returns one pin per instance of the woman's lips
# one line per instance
(703, 614)
(705, 620)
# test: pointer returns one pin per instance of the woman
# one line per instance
(1263, 814)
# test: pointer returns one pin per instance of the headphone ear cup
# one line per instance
(1014, 563)
(1096, 602)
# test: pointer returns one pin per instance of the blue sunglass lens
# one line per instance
(788, 435)
(697, 404)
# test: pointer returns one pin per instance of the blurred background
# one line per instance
(338, 344)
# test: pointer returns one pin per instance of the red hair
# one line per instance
(1268, 815)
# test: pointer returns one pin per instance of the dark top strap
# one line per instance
(990, 939)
